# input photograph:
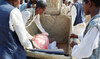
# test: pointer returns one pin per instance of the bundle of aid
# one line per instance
(40, 41)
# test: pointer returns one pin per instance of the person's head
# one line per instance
(64, 1)
(91, 6)
(21, 1)
(69, 3)
(15, 3)
(33, 1)
(75, 1)
(40, 7)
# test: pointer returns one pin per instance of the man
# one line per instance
(89, 48)
(40, 8)
(77, 13)
(64, 8)
(13, 35)
(78, 18)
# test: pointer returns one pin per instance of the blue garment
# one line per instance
(29, 4)
(10, 47)
(80, 14)
(23, 6)
(94, 22)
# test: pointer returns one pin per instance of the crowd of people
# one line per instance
(14, 38)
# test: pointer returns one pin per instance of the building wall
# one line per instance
(53, 6)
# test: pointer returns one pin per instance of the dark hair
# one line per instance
(96, 2)
(41, 4)
(26, 1)
(33, 2)
(64, 1)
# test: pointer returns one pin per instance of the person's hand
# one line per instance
(73, 36)
(34, 37)
(73, 43)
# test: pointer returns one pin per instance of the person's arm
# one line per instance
(16, 22)
(88, 43)
(73, 13)
(38, 24)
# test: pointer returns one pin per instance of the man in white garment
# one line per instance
(89, 48)
(63, 8)
(16, 24)
(78, 16)
(13, 35)
(40, 8)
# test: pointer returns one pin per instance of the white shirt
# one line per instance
(88, 43)
(17, 25)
